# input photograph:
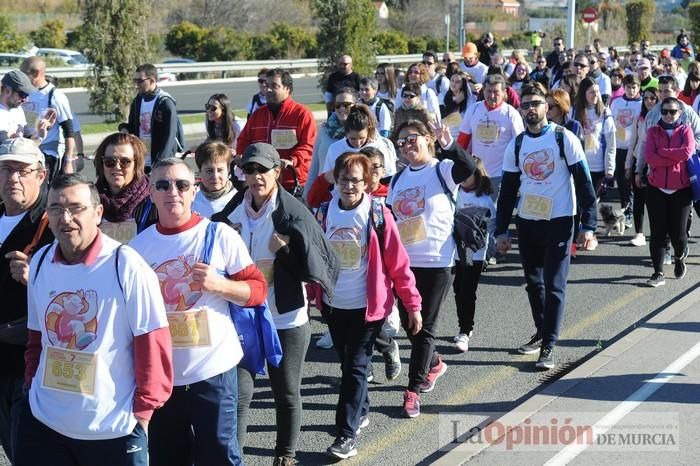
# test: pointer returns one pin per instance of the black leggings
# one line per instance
(638, 202)
(668, 215)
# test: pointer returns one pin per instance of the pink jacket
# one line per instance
(667, 156)
(384, 276)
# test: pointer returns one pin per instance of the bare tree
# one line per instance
(420, 17)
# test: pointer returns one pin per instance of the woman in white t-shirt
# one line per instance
(213, 161)
(599, 142)
(289, 248)
(418, 73)
(374, 263)
(422, 198)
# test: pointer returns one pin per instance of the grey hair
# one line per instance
(493, 79)
(172, 162)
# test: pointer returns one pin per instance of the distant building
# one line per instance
(511, 7)
(382, 10)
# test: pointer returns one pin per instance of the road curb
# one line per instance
(549, 394)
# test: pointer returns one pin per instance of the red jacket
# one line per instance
(667, 156)
(292, 116)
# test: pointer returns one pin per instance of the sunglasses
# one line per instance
(581, 65)
(408, 96)
(345, 105)
(165, 185)
(531, 104)
(211, 108)
(253, 168)
(410, 139)
(669, 111)
(112, 162)
(139, 81)
(22, 95)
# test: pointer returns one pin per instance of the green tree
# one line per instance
(225, 44)
(390, 42)
(298, 43)
(694, 15)
(117, 41)
(346, 27)
(640, 17)
(417, 44)
(186, 40)
(52, 33)
(10, 39)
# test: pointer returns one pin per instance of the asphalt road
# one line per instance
(606, 297)
(191, 98)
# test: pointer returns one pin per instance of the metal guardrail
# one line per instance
(83, 71)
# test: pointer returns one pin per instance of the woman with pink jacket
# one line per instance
(355, 224)
(668, 147)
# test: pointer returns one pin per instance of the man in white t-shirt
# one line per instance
(14, 91)
(206, 348)
(98, 359)
(49, 102)
(471, 64)
(488, 127)
(438, 82)
(547, 167)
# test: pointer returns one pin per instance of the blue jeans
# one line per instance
(197, 425)
(11, 402)
(37, 444)
(353, 340)
(545, 253)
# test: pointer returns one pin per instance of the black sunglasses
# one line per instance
(252, 168)
(213, 108)
(581, 65)
(531, 104)
(165, 185)
(669, 111)
(408, 96)
(345, 105)
(112, 162)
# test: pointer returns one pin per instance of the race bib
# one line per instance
(453, 120)
(487, 132)
(120, 231)
(349, 252)
(189, 328)
(536, 207)
(590, 143)
(621, 134)
(283, 138)
(266, 267)
(70, 371)
(412, 230)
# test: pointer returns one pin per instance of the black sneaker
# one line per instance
(392, 362)
(343, 448)
(546, 359)
(532, 346)
(656, 280)
(681, 268)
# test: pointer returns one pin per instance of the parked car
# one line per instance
(70, 57)
(12, 60)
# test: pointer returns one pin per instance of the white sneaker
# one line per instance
(638, 240)
(462, 342)
(325, 342)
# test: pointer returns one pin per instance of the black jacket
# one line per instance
(13, 295)
(163, 125)
(308, 258)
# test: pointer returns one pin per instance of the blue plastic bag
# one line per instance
(693, 165)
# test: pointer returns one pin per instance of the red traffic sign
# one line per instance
(589, 14)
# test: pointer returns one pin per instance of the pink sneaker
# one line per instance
(434, 374)
(411, 404)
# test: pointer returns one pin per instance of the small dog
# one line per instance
(613, 219)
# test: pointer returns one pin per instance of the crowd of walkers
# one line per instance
(142, 306)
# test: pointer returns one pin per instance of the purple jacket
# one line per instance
(667, 156)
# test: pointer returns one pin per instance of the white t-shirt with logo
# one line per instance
(7, 224)
(424, 214)
(35, 107)
(12, 122)
(346, 230)
(85, 382)
(256, 234)
(145, 122)
(205, 342)
(594, 130)
(491, 131)
(546, 184)
(625, 113)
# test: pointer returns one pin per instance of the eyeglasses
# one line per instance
(165, 185)
(211, 108)
(669, 111)
(253, 168)
(57, 211)
(410, 139)
(139, 81)
(112, 162)
(581, 65)
(377, 166)
(345, 105)
(344, 181)
(408, 96)
(22, 172)
(531, 104)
